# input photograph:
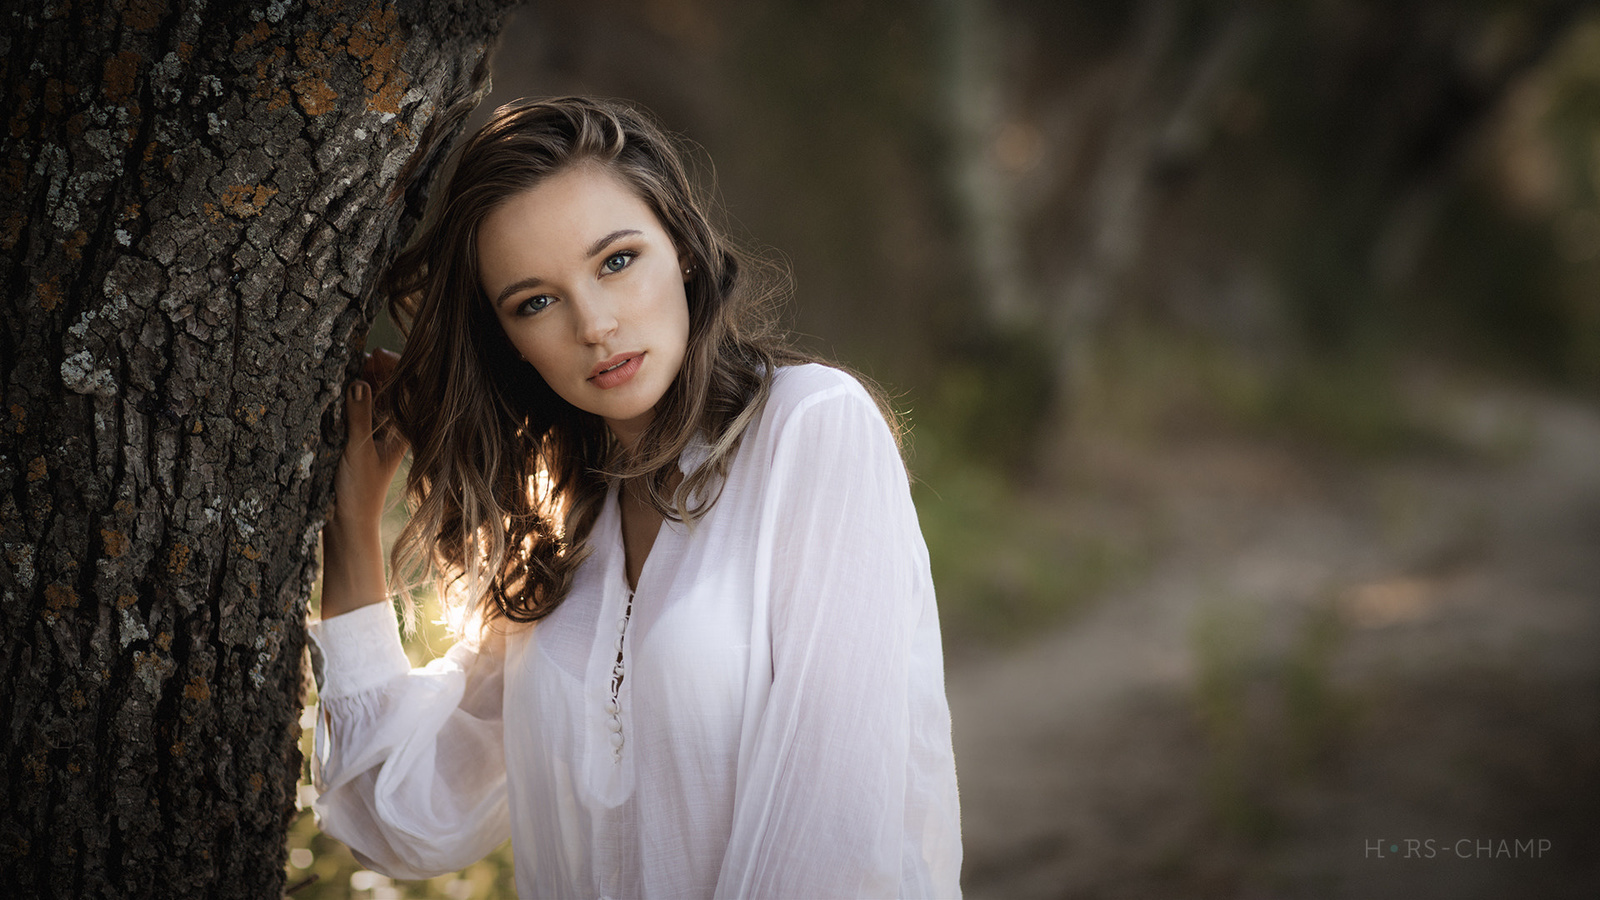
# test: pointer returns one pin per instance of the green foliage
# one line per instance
(991, 401)
(1005, 566)
(1006, 562)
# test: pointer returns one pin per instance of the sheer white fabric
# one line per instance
(783, 722)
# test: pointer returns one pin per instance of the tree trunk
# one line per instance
(195, 197)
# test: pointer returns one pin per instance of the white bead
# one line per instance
(622, 624)
(611, 707)
(616, 740)
(614, 724)
(619, 643)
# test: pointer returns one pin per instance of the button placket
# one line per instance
(619, 671)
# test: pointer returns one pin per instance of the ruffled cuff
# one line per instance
(357, 651)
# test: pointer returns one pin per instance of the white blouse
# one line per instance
(780, 728)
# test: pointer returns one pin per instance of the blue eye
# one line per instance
(616, 262)
(533, 304)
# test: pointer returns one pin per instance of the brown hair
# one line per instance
(507, 478)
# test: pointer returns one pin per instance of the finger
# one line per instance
(358, 411)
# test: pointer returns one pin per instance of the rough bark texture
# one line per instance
(194, 197)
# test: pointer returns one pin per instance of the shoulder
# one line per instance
(824, 410)
(796, 389)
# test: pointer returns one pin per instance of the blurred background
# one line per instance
(1251, 353)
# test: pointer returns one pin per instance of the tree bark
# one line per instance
(195, 198)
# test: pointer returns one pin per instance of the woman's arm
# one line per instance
(409, 765)
(352, 547)
(848, 788)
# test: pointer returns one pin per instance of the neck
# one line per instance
(628, 432)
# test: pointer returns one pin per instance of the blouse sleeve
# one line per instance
(409, 763)
(848, 787)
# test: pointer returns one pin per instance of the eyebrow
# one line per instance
(535, 281)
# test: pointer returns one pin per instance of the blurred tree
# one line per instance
(1156, 154)
(195, 195)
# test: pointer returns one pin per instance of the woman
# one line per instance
(707, 657)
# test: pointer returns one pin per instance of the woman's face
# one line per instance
(590, 289)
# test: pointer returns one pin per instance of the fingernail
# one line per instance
(358, 391)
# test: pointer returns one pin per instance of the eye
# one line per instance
(616, 262)
(533, 304)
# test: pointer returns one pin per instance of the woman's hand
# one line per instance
(370, 457)
(352, 545)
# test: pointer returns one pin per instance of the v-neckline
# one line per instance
(622, 546)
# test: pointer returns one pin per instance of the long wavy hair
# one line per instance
(506, 478)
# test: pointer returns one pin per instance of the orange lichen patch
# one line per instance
(37, 469)
(164, 641)
(77, 700)
(252, 37)
(154, 664)
(308, 49)
(178, 559)
(132, 212)
(257, 782)
(74, 245)
(114, 541)
(251, 416)
(185, 51)
(124, 507)
(333, 37)
(34, 763)
(197, 689)
(49, 293)
(247, 551)
(143, 15)
(126, 600)
(254, 588)
(179, 748)
(314, 94)
(245, 201)
(149, 151)
(375, 41)
(118, 79)
(58, 596)
(21, 415)
(266, 86)
(198, 427)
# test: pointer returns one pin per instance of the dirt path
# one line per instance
(1322, 664)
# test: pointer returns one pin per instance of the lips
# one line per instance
(617, 370)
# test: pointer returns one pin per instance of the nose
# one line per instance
(595, 320)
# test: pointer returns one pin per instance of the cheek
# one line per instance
(531, 348)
